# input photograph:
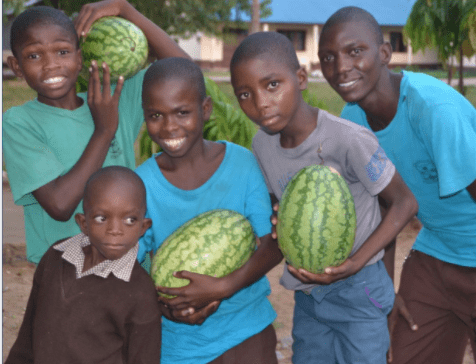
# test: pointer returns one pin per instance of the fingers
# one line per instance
(94, 85)
(403, 310)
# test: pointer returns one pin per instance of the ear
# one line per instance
(14, 66)
(385, 51)
(207, 107)
(146, 223)
(302, 78)
(81, 221)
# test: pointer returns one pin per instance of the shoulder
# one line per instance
(145, 168)
(238, 153)
(423, 90)
(141, 283)
(263, 141)
(17, 114)
(344, 128)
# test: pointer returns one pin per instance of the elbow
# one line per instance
(59, 211)
(411, 206)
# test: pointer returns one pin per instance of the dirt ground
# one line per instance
(18, 274)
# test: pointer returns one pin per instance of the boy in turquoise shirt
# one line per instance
(54, 143)
(428, 130)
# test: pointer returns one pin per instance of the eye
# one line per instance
(328, 58)
(99, 219)
(130, 220)
(355, 51)
(155, 115)
(33, 56)
(183, 112)
(243, 96)
(64, 52)
(273, 85)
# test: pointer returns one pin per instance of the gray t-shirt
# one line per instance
(352, 150)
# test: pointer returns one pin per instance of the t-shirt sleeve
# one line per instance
(258, 204)
(367, 161)
(29, 160)
(130, 102)
(448, 132)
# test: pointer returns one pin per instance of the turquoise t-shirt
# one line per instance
(42, 142)
(236, 185)
(432, 142)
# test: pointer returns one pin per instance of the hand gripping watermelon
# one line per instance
(214, 243)
(316, 219)
(119, 43)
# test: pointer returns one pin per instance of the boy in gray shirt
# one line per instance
(341, 315)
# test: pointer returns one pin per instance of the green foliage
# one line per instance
(311, 99)
(13, 7)
(182, 18)
(443, 24)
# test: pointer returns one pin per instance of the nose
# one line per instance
(169, 123)
(50, 61)
(261, 102)
(115, 227)
(343, 64)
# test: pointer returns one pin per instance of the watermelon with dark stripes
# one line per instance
(214, 243)
(316, 219)
(119, 43)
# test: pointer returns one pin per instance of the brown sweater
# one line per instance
(90, 320)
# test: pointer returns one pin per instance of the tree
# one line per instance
(255, 16)
(182, 18)
(445, 25)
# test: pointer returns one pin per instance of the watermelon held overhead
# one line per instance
(316, 219)
(214, 243)
(119, 43)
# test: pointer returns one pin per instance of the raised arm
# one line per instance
(161, 44)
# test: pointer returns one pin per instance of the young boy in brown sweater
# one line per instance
(91, 301)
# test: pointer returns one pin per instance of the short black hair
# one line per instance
(263, 44)
(354, 14)
(176, 68)
(113, 173)
(39, 15)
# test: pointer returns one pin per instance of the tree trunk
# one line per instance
(255, 16)
(460, 82)
(450, 71)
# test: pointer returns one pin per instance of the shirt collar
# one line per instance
(72, 249)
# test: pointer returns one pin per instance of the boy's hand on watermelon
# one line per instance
(189, 315)
(103, 105)
(93, 11)
(200, 292)
(330, 275)
(399, 308)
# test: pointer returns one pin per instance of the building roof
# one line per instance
(387, 12)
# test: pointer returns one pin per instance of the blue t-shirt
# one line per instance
(236, 185)
(432, 142)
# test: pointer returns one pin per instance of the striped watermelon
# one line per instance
(214, 243)
(316, 219)
(119, 43)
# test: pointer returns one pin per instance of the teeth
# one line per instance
(174, 143)
(54, 80)
(347, 84)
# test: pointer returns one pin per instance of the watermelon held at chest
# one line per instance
(214, 243)
(119, 43)
(316, 219)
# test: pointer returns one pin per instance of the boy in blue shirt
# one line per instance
(191, 176)
(335, 321)
(428, 130)
(55, 142)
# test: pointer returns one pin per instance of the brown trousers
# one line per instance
(258, 349)
(441, 297)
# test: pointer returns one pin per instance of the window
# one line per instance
(297, 37)
(396, 40)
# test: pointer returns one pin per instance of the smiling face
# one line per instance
(174, 114)
(50, 62)
(352, 61)
(113, 218)
(269, 92)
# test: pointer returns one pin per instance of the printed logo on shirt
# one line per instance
(114, 149)
(283, 181)
(427, 170)
(377, 164)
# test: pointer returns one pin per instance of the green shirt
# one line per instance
(41, 142)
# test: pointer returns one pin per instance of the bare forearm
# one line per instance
(60, 197)
(162, 45)
(266, 257)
